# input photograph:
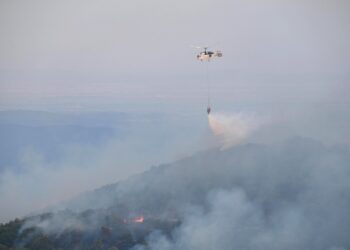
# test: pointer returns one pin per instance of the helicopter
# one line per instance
(206, 55)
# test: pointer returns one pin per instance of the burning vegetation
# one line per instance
(139, 219)
(251, 196)
(92, 229)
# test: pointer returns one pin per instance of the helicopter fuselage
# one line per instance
(207, 55)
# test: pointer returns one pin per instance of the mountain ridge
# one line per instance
(244, 192)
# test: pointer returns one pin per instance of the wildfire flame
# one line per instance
(139, 219)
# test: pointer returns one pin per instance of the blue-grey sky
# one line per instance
(136, 55)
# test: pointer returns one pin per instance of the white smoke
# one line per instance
(261, 197)
(252, 196)
(231, 129)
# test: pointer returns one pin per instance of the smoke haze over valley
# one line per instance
(253, 196)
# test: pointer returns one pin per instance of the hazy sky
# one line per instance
(135, 55)
(284, 60)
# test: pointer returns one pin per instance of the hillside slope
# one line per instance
(294, 195)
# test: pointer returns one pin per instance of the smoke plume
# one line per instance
(290, 195)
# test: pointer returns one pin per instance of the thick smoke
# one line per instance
(293, 197)
(290, 195)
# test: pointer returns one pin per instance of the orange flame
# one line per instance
(139, 219)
